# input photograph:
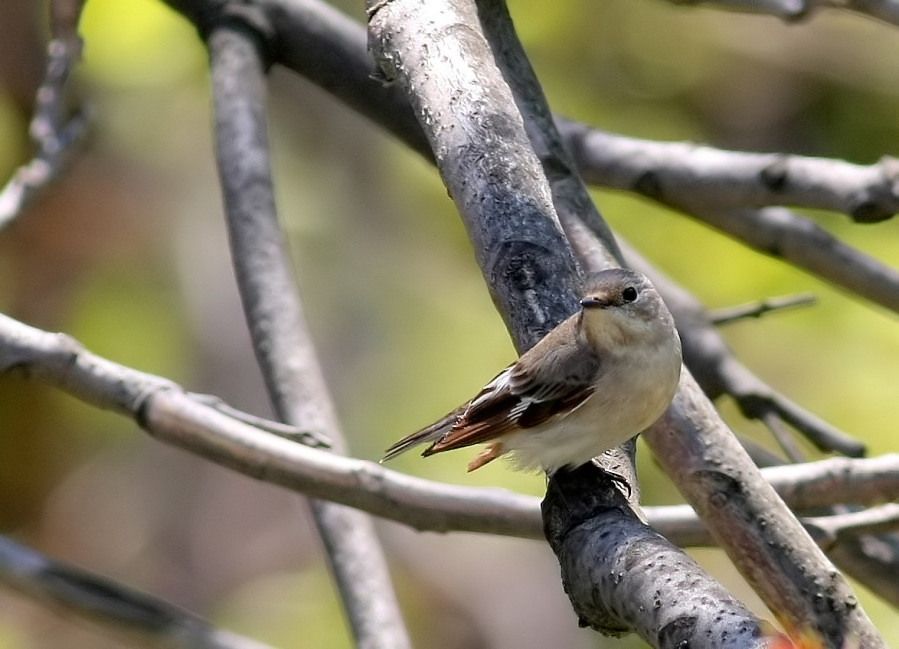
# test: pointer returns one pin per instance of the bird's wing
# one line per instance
(541, 385)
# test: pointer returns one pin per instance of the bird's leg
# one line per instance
(487, 455)
(620, 481)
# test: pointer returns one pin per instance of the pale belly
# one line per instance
(613, 414)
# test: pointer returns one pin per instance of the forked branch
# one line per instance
(273, 310)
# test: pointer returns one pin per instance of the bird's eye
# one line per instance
(629, 294)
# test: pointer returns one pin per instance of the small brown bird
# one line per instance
(596, 380)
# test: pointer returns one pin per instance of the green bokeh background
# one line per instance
(128, 254)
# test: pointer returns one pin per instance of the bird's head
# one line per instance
(621, 305)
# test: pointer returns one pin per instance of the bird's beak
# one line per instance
(594, 302)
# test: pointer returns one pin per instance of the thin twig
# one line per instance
(782, 435)
(786, 9)
(758, 309)
(273, 310)
(131, 615)
(54, 132)
(784, 234)
(792, 10)
(293, 433)
(720, 372)
(828, 530)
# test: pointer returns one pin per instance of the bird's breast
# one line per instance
(631, 392)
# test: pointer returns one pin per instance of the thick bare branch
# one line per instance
(137, 618)
(683, 172)
(516, 236)
(608, 594)
(54, 132)
(274, 315)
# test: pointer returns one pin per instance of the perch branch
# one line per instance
(273, 311)
(133, 616)
(609, 594)
(705, 460)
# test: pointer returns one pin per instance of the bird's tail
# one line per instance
(431, 434)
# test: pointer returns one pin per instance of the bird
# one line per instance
(600, 377)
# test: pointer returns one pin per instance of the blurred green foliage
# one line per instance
(128, 254)
(279, 609)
